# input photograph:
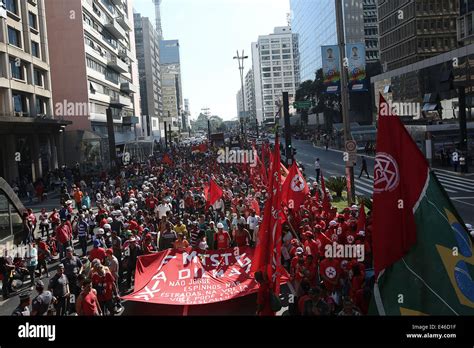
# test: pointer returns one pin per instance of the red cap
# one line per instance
(109, 252)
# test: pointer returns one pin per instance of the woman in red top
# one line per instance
(87, 303)
(242, 236)
(103, 281)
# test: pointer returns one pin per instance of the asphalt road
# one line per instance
(459, 188)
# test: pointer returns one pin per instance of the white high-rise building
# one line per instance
(278, 65)
(257, 82)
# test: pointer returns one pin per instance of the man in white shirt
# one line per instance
(162, 208)
(252, 222)
(317, 167)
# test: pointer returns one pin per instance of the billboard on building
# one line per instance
(355, 54)
(331, 68)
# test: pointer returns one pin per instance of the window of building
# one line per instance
(35, 51)
(38, 77)
(12, 6)
(275, 57)
(16, 69)
(264, 47)
(277, 68)
(276, 74)
(266, 69)
(277, 85)
(267, 75)
(275, 45)
(267, 86)
(286, 56)
(14, 37)
(266, 52)
(40, 106)
(32, 20)
(19, 102)
(266, 58)
(275, 51)
(288, 85)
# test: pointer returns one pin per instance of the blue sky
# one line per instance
(210, 32)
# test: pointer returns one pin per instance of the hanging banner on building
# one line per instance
(331, 68)
(356, 67)
(175, 277)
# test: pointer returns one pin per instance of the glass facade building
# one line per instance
(169, 52)
(315, 22)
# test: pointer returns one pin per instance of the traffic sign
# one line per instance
(303, 104)
(351, 146)
(351, 150)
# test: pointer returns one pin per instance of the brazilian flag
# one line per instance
(423, 254)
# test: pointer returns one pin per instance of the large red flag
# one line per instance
(212, 193)
(326, 201)
(294, 189)
(362, 218)
(398, 162)
(267, 257)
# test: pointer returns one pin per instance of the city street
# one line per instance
(459, 188)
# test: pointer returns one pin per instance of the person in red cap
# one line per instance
(310, 245)
(147, 246)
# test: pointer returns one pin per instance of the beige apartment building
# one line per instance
(94, 68)
(30, 134)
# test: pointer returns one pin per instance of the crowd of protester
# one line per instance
(106, 222)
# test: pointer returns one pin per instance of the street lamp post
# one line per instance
(240, 59)
(345, 99)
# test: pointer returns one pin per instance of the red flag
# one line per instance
(200, 148)
(167, 159)
(362, 218)
(268, 251)
(294, 189)
(326, 201)
(212, 193)
(398, 161)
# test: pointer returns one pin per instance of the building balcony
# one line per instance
(128, 87)
(117, 64)
(120, 101)
(124, 22)
(115, 29)
(117, 2)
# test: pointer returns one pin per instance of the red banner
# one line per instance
(187, 278)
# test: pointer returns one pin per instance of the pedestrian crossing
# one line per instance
(451, 183)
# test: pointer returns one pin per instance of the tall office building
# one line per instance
(257, 77)
(30, 134)
(411, 31)
(315, 24)
(171, 83)
(186, 115)
(279, 66)
(240, 104)
(249, 85)
(466, 22)
(93, 69)
(148, 56)
(371, 31)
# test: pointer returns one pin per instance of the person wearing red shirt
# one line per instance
(97, 252)
(264, 307)
(62, 237)
(104, 282)
(43, 254)
(221, 238)
(87, 303)
(242, 236)
(330, 272)
(310, 245)
(54, 218)
(311, 270)
(147, 246)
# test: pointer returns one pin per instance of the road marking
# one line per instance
(458, 200)
(458, 187)
(451, 172)
(457, 179)
(339, 165)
